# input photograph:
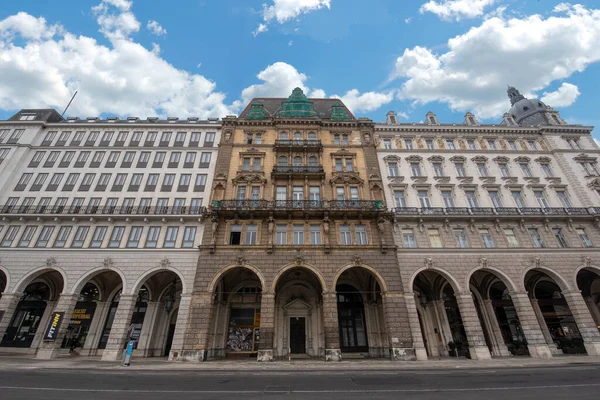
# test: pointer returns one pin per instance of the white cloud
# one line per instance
(407, 20)
(566, 95)
(527, 53)
(365, 102)
(42, 67)
(402, 114)
(283, 11)
(456, 9)
(156, 28)
(291, 42)
(116, 24)
(279, 79)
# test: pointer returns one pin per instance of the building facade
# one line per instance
(100, 223)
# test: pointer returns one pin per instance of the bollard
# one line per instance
(127, 358)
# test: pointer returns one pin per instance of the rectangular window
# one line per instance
(518, 198)
(447, 198)
(564, 198)
(63, 235)
(339, 165)
(200, 183)
(174, 159)
(345, 238)
(349, 165)
(209, 139)
(23, 182)
(399, 198)
(106, 138)
(340, 194)
(450, 144)
(204, 160)
(585, 239)
(315, 234)
(27, 236)
(547, 170)
(438, 170)
(393, 168)
(82, 159)
(560, 238)
(408, 237)
(134, 236)
(314, 193)
(10, 235)
(471, 144)
(491, 144)
(511, 237)
(471, 197)
(415, 169)
(251, 235)
(482, 169)
(486, 238)
(180, 138)
(461, 238)
(152, 237)
(113, 158)
(495, 199)
(281, 234)
(525, 169)
(387, 144)
(165, 138)
(184, 182)
(429, 143)
(536, 238)
(189, 237)
(190, 159)
(49, 138)
(361, 234)
(44, 236)
(541, 199)
(460, 169)
(408, 144)
(171, 236)
(80, 236)
(121, 138)
(298, 234)
(36, 159)
(435, 239)
(98, 237)
(195, 139)
(424, 198)
(504, 171)
(150, 139)
(354, 193)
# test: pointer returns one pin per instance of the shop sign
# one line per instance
(53, 326)
(80, 315)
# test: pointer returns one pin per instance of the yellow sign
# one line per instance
(257, 318)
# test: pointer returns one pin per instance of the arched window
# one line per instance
(312, 136)
(282, 161)
(297, 136)
(89, 293)
(313, 161)
(297, 161)
(283, 136)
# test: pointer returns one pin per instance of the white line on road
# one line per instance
(490, 389)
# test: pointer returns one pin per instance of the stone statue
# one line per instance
(326, 230)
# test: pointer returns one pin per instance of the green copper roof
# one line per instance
(338, 112)
(257, 111)
(297, 106)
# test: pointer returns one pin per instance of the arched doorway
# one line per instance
(298, 314)
(549, 302)
(81, 319)
(360, 314)
(588, 281)
(32, 309)
(236, 319)
(110, 317)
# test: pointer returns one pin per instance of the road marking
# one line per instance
(490, 389)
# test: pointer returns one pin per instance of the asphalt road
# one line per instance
(573, 382)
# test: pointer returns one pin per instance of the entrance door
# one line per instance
(297, 335)
(169, 343)
(351, 316)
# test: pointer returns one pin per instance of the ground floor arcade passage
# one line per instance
(98, 318)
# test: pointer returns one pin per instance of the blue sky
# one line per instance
(209, 57)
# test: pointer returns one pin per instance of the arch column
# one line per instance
(488, 313)
(477, 346)
(120, 328)
(415, 327)
(150, 320)
(537, 340)
(65, 304)
(197, 337)
(444, 324)
(331, 327)
(267, 327)
(180, 326)
(93, 335)
(8, 304)
(593, 309)
(544, 327)
(585, 323)
(400, 341)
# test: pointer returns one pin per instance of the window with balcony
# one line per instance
(472, 201)
(541, 199)
(340, 193)
(399, 198)
(424, 198)
(447, 198)
(461, 238)
(314, 193)
(486, 238)
(495, 199)
(517, 196)
(435, 240)
(564, 198)
(298, 161)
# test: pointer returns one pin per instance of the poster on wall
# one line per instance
(53, 325)
(240, 339)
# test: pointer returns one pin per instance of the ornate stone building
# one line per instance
(497, 228)
(300, 258)
(100, 220)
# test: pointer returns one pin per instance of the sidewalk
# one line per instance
(161, 364)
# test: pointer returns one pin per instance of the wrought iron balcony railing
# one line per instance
(100, 210)
(298, 169)
(502, 211)
(298, 143)
(364, 205)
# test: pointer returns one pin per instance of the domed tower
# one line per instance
(531, 111)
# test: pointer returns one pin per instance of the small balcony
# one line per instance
(314, 145)
(286, 207)
(91, 210)
(309, 170)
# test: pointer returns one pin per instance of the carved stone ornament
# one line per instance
(240, 260)
(421, 225)
(497, 225)
(458, 159)
(165, 263)
(436, 158)
(594, 183)
(522, 159)
(298, 259)
(343, 178)
(392, 158)
(447, 225)
(465, 179)
(543, 160)
(414, 158)
(396, 180)
(522, 225)
(479, 159)
(570, 224)
(429, 262)
(483, 262)
(51, 262)
(472, 225)
(587, 261)
(249, 178)
(107, 263)
(442, 179)
(419, 179)
(501, 159)
(546, 224)
(356, 260)
(537, 262)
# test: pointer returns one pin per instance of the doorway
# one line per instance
(298, 335)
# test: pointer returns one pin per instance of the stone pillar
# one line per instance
(477, 346)
(95, 331)
(488, 312)
(593, 309)
(544, 327)
(267, 327)
(144, 346)
(180, 326)
(44, 321)
(119, 332)
(331, 327)
(537, 342)
(398, 327)
(444, 324)
(8, 304)
(585, 322)
(66, 304)
(198, 334)
(415, 327)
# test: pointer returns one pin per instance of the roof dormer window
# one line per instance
(27, 117)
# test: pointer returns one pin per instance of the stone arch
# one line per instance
(445, 274)
(215, 281)
(494, 271)
(288, 267)
(95, 272)
(591, 268)
(373, 271)
(146, 275)
(32, 275)
(558, 279)
(7, 277)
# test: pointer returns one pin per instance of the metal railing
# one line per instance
(298, 143)
(298, 169)
(364, 205)
(100, 210)
(502, 211)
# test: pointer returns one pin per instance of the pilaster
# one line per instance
(397, 321)
(537, 342)
(585, 323)
(119, 332)
(66, 304)
(477, 346)
(267, 327)
(331, 327)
